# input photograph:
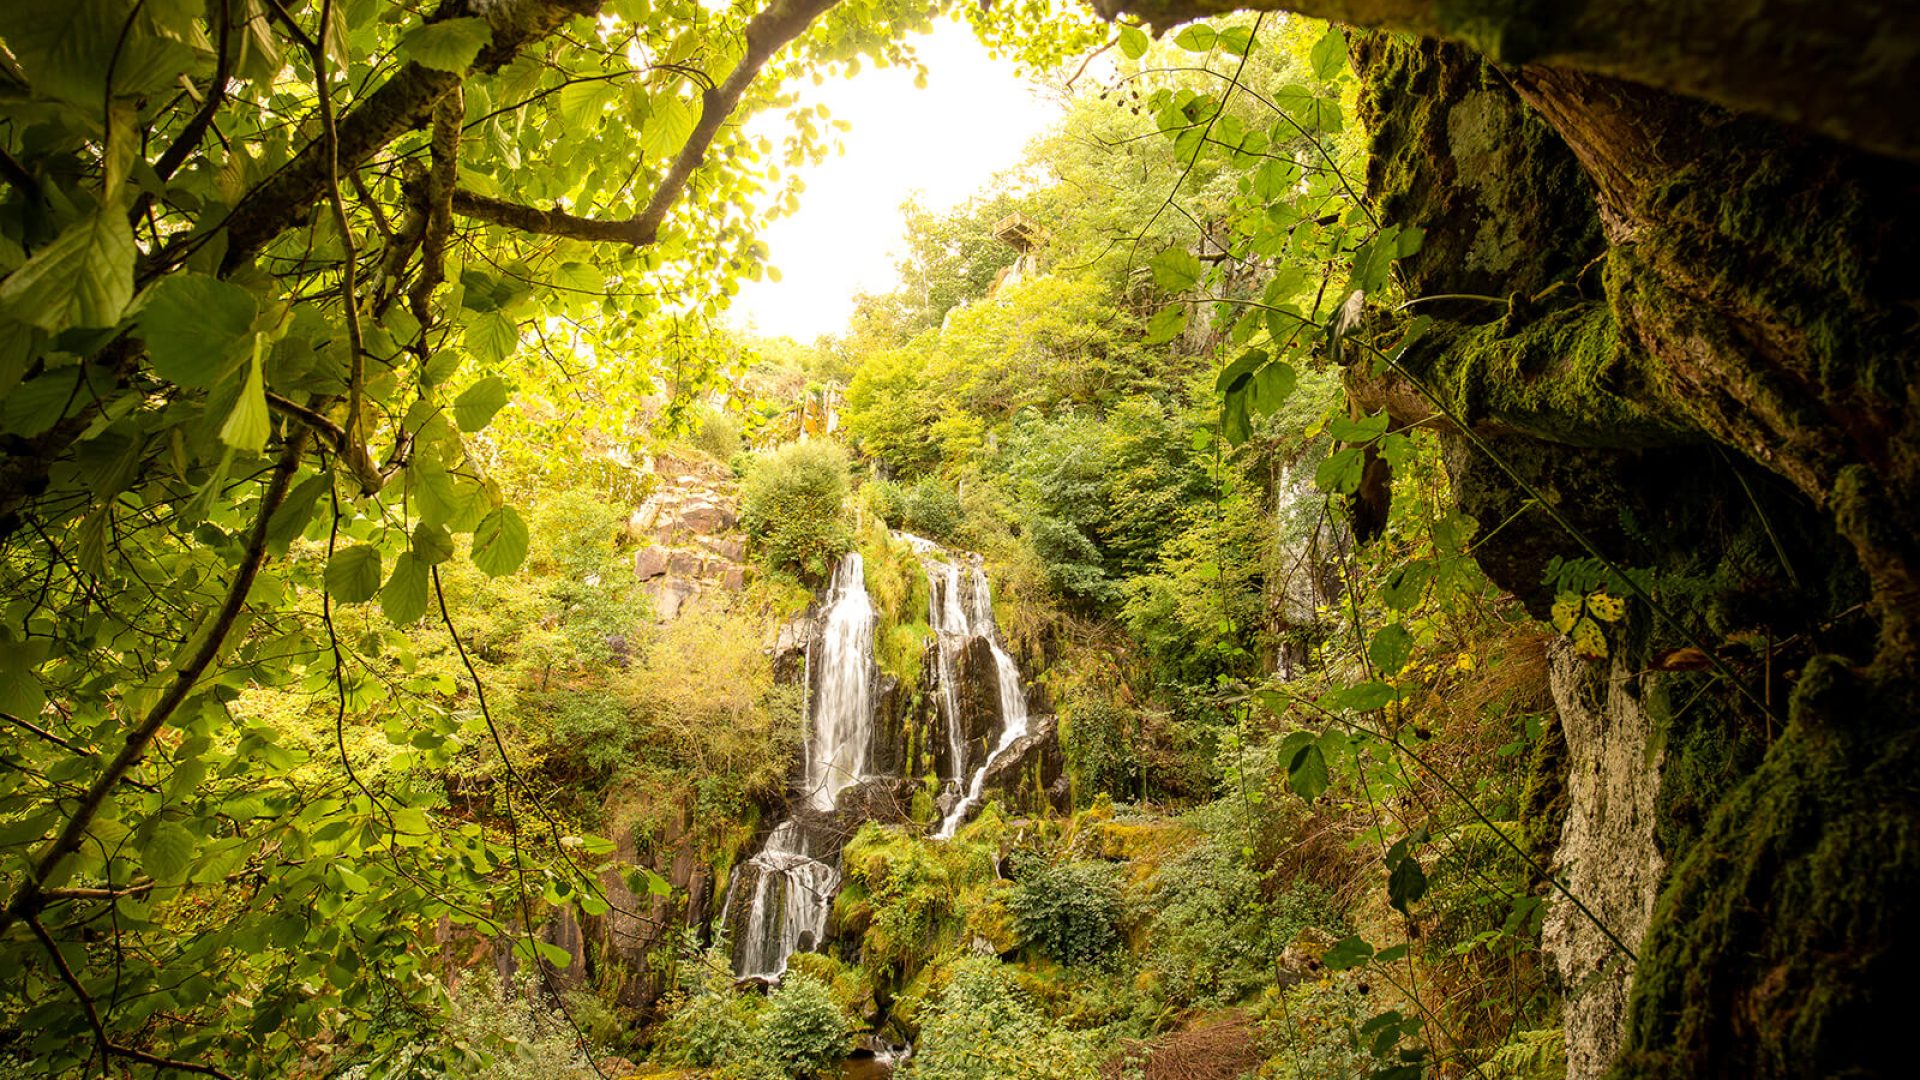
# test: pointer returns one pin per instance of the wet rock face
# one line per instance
(976, 693)
(1608, 855)
(1030, 778)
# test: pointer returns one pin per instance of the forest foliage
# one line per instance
(332, 340)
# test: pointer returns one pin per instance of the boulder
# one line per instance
(670, 594)
(649, 563)
(1028, 777)
(706, 517)
(727, 548)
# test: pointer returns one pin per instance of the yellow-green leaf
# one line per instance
(447, 45)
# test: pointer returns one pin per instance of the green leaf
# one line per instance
(20, 691)
(474, 408)
(1176, 269)
(500, 543)
(1234, 424)
(1133, 42)
(1364, 697)
(167, 852)
(432, 544)
(404, 598)
(1406, 883)
(1273, 386)
(353, 574)
(554, 954)
(492, 337)
(1406, 584)
(448, 45)
(582, 104)
(84, 278)
(668, 125)
(1390, 649)
(1329, 55)
(1340, 472)
(249, 424)
(1348, 952)
(192, 324)
(1235, 373)
(1196, 38)
(1167, 324)
(1307, 774)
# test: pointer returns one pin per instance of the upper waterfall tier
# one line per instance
(841, 719)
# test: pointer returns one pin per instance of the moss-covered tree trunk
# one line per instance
(1705, 359)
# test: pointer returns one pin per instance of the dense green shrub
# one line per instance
(795, 1032)
(927, 508)
(716, 432)
(1212, 937)
(792, 505)
(982, 1028)
(1069, 911)
(802, 1032)
(1098, 739)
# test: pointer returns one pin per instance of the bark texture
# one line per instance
(1831, 66)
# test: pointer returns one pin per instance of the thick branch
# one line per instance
(1836, 66)
(401, 104)
(779, 24)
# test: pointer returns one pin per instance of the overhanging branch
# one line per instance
(767, 32)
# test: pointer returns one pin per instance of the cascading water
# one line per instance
(842, 713)
(960, 607)
(952, 625)
(793, 879)
(794, 876)
(792, 892)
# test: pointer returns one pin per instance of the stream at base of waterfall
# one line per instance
(794, 876)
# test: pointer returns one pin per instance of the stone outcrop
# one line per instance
(688, 530)
(1608, 854)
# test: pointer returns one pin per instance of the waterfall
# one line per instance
(780, 899)
(952, 626)
(793, 879)
(842, 713)
(960, 608)
(792, 892)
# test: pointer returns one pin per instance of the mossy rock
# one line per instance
(1784, 942)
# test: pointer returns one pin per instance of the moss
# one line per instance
(1543, 795)
(1783, 945)
(1564, 376)
(1504, 205)
(898, 585)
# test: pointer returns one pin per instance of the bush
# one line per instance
(1069, 911)
(797, 1031)
(792, 505)
(983, 1028)
(931, 509)
(716, 433)
(1213, 938)
(802, 1033)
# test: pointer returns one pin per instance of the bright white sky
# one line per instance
(972, 120)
